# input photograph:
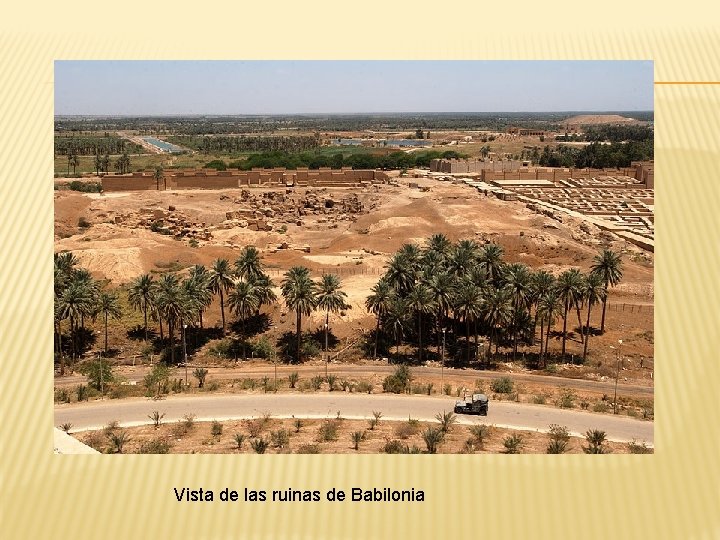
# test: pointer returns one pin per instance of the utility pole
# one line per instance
(185, 355)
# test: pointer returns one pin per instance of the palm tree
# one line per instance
(140, 296)
(199, 286)
(379, 304)
(421, 300)
(442, 285)
(608, 265)
(158, 175)
(468, 303)
(76, 301)
(440, 244)
(264, 290)
(401, 273)
(220, 282)
(396, 317)
(243, 300)
(490, 258)
(569, 289)
(331, 299)
(497, 310)
(172, 306)
(593, 291)
(549, 309)
(518, 280)
(541, 282)
(248, 265)
(109, 306)
(299, 293)
(463, 257)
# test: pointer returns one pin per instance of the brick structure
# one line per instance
(454, 166)
(234, 178)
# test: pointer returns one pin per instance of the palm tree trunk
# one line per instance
(587, 332)
(171, 328)
(565, 314)
(222, 310)
(201, 321)
(542, 334)
(547, 338)
(106, 334)
(299, 322)
(242, 323)
(145, 314)
(467, 341)
(602, 321)
(62, 356)
(476, 339)
(72, 337)
(582, 333)
(377, 333)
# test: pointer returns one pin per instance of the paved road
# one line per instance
(135, 411)
(305, 371)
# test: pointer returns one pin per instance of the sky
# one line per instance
(306, 87)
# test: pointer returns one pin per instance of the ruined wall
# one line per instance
(455, 166)
(233, 178)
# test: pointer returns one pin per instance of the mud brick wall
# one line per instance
(129, 183)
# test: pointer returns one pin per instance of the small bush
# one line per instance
(216, 429)
(479, 386)
(96, 440)
(480, 433)
(635, 448)
(539, 399)
(156, 382)
(364, 387)
(293, 379)
(328, 430)
(596, 442)
(308, 449)
(332, 382)
(513, 444)
(156, 418)
(557, 447)
(82, 393)
(239, 440)
(257, 425)
(62, 395)
(447, 389)
(405, 430)
(393, 447)
(200, 374)
(399, 381)
(159, 445)
(297, 424)
(559, 438)
(601, 407)
(280, 438)
(446, 419)
(85, 187)
(66, 427)
(316, 382)
(357, 437)
(262, 348)
(213, 386)
(248, 384)
(566, 399)
(375, 419)
(502, 385)
(118, 440)
(433, 437)
(259, 445)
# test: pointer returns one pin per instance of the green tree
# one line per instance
(331, 299)
(220, 282)
(468, 303)
(140, 296)
(109, 306)
(569, 289)
(378, 303)
(594, 292)
(607, 265)
(497, 310)
(421, 300)
(158, 175)
(299, 293)
(243, 300)
(549, 309)
(249, 265)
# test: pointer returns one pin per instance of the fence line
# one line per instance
(631, 308)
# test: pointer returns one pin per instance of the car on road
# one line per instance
(477, 404)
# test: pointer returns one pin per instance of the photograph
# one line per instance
(353, 257)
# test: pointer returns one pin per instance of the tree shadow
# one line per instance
(254, 325)
(318, 335)
(287, 347)
(137, 333)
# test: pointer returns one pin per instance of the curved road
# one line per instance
(135, 411)
(607, 386)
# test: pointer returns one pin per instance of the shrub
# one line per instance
(480, 433)
(566, 399)
(95, 440)
(446, 419)
(193, 243)
(156, 418)
(559, 437)
(539, 399)
(584, 404)
(259, 445)
(447, 389)
(213, 386)
(357, 437)
(596, 442)
(328, 430)
(62, 395)
(189, 421)
(98, 372)
(375, 419)
(635, 448)
(200, 374)
(332, 382)
(82, 393)
(308, 449)
(502, 385)
(365, 387)
(513, 444)
(248, 384)
(159, 445)
(111, 426)
(601, 407)
(556, 447)
(177, 386)
(293, 379)
(406, 429)
(393, 447)
(280, 438)
(432, 437)
(216, 429)
(156, 382)
(316, 382)
(399, 381)
(239, 440)
(257, 425)
(85, 187)
(262, 348)
(118, 440)
(298, 424)
(66, 427)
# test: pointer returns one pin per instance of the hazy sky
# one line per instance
(270, 87)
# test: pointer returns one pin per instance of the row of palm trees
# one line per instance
(465, 286)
